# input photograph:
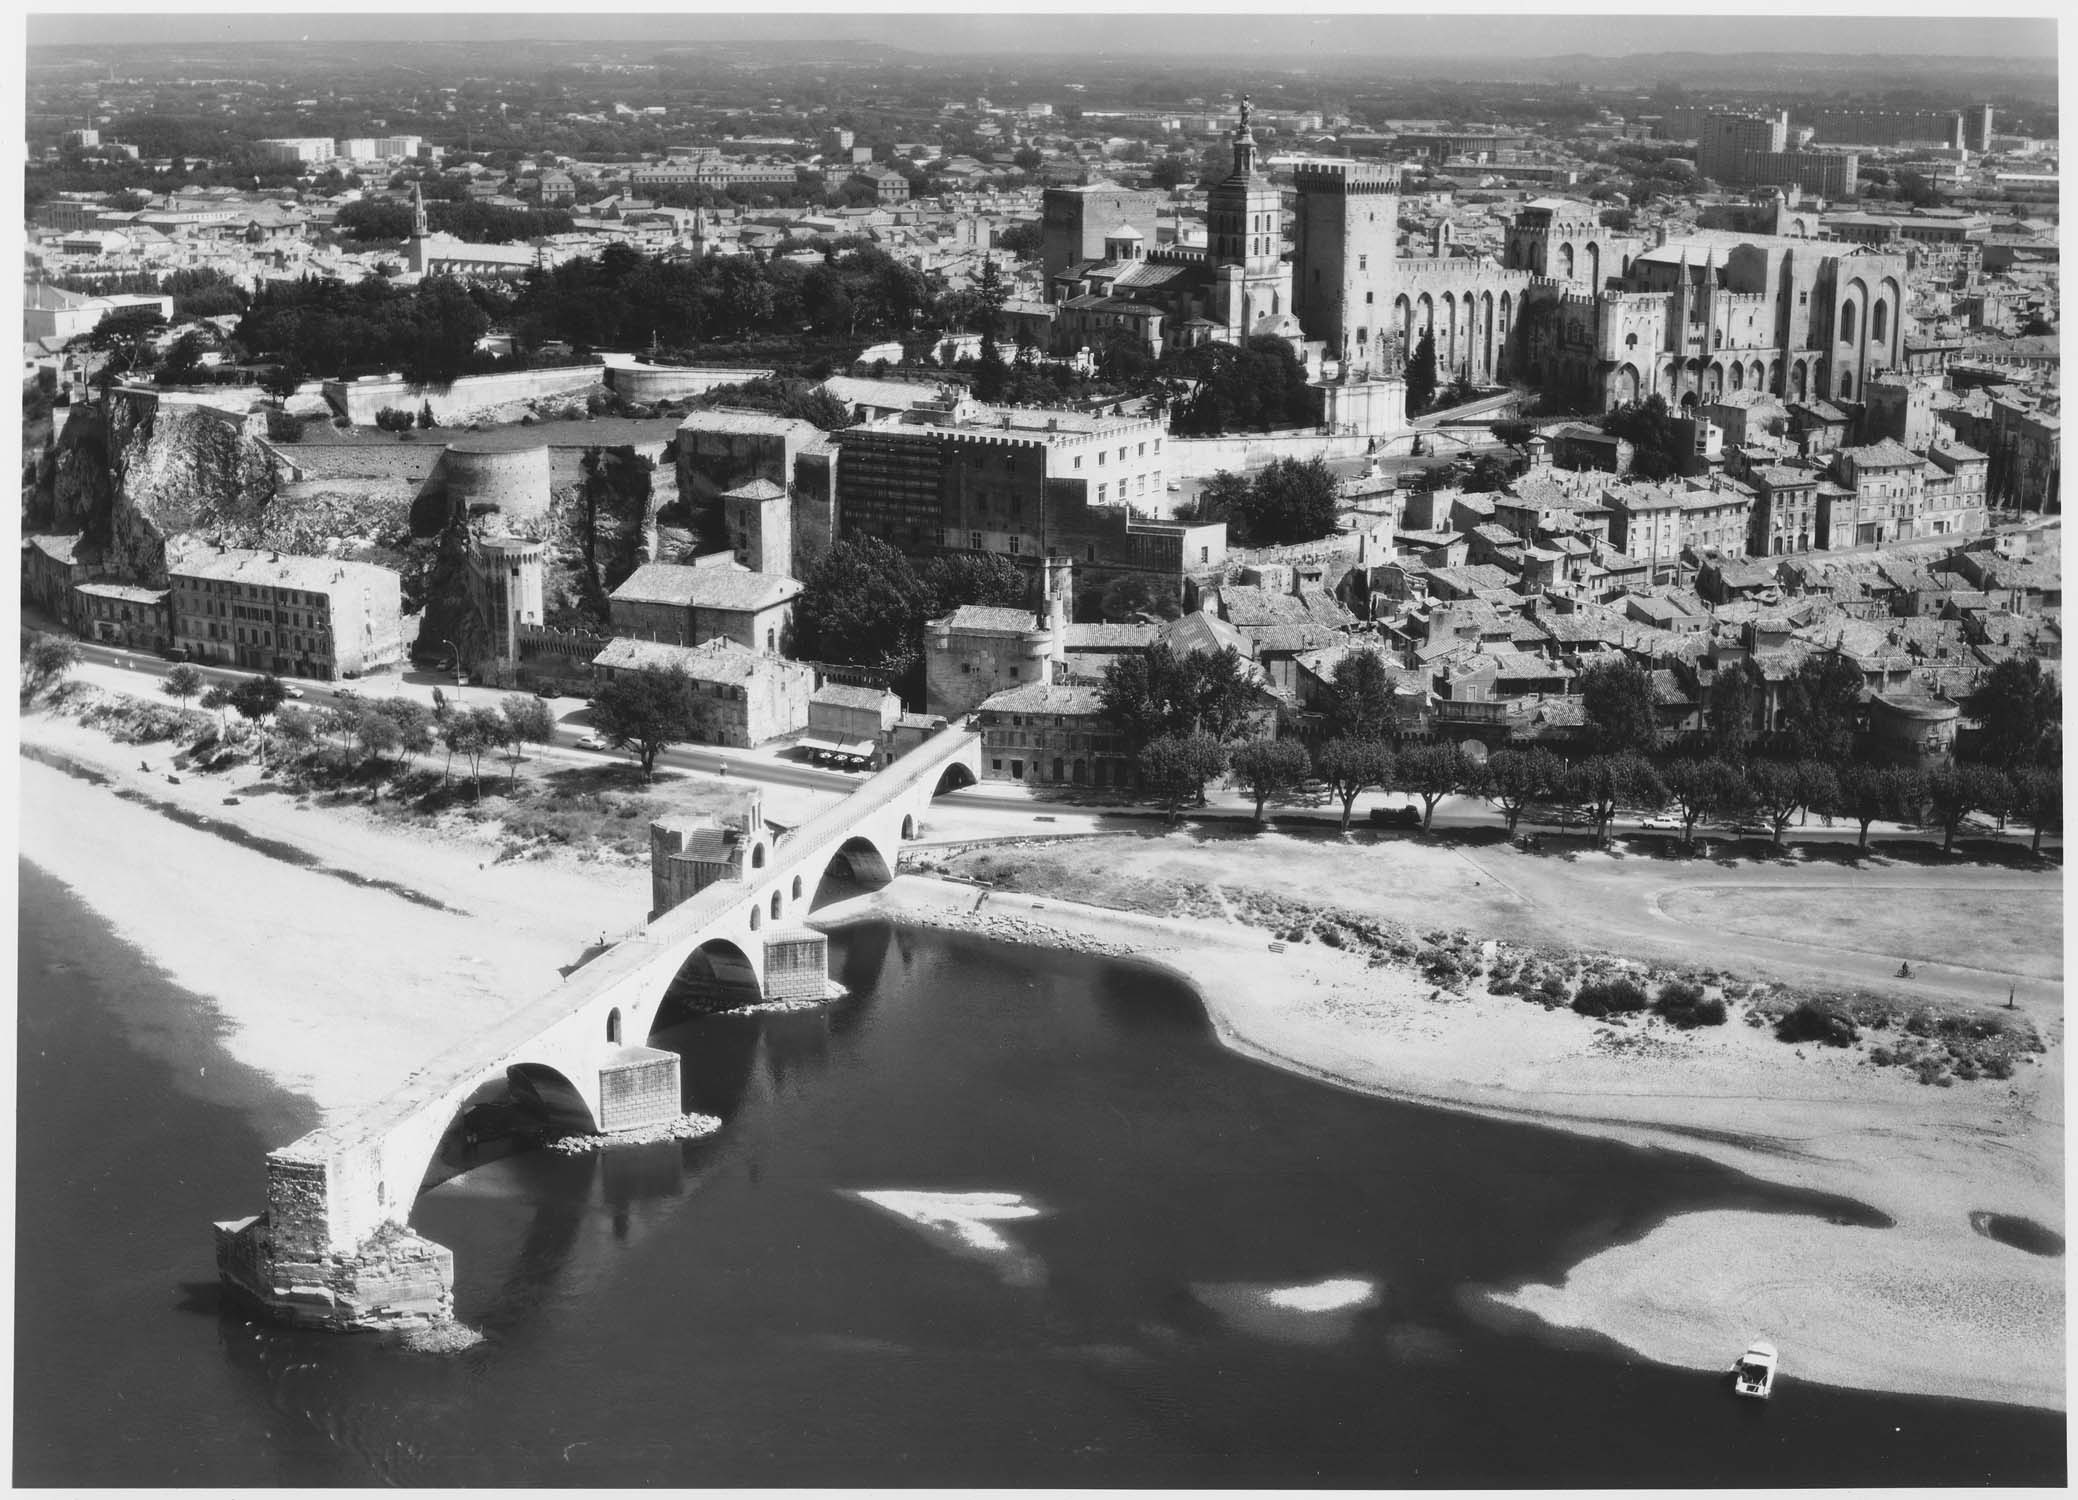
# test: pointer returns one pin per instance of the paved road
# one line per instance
(573, 721)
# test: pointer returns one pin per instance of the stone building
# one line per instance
(712, 600)
(507, 588)
(741, 697)
(121, 614)
(687, 854)
(1889, 482)
(51, 566)
(1105, 271)
(854, 723)
(723, 451)
(296, 616)
(1051, 734)
(1717, 312)
(1021, 482)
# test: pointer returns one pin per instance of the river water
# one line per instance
(1002, 1218)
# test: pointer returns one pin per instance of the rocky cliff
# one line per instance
(143, 468)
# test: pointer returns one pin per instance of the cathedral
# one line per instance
(1239, 286)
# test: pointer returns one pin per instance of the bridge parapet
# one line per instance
(333, 1249)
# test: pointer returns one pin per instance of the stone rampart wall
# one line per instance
(358, 401)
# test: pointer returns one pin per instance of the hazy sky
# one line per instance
(1266, 30)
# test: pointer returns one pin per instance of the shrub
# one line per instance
(1813, 1021)
(1552, 987)
(1604, 997)
(1684, 1005)
(395, 419)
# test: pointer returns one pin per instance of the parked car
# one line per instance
(592, 742)
(290, 690)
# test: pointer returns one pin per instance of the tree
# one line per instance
(45, 663)
(1820, 702)
(284, 380)
(1865, 793)
(217, 698)
(1513, 779)
(377, 733)
(426, 419)
(2038, 800)
(182, 683)
(1607, 782)
(646, 712)
(1702, 789)
(183, 361)
(1291, 501)
(862, 604)
(1658, 450)
(990, 372)
(471, 733)
(1432, 772)
(1268, 768)
(1954, 792)
(1734, 703)
(255, 698)
(1151, 694)
(1779, 790)
(1350, 766)
(1360, 697)
(2017, 707)
(523, 722)
(1421, 374)
(1175, 767)
(1622, 712)
(411, 721)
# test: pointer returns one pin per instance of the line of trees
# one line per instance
(1190, 719)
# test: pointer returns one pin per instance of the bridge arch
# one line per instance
(957, 774)
(512, 1109)
(717, 975)
(861, 862)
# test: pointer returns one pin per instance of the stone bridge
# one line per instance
(334, 1249)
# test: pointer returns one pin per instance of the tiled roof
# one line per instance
(724, 588)
(844, 695)
(317, 575)
(1047, 698)
(712, 661)
(1889, 453)
(989, 619)
(1105, 636)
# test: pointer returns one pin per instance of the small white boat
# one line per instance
(1754, 1372)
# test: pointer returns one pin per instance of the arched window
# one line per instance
(1847, 323)
(613, 1026)
(1879, 322)
(757, 856)
(1846, 384)
(908, 827)
(754, 915)
(797, 888)
(775, 906)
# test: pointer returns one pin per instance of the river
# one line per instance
(1001, 1218)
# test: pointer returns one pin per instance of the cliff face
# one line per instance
(143, 470)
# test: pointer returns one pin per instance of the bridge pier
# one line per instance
(333, 1249)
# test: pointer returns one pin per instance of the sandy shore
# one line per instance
(1928, 1306)
(335, 990)
(339, 991)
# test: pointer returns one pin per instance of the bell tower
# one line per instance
(1244, 220)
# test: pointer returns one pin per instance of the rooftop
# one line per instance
(725, 588)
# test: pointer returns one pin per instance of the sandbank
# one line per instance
(340, 991)
(1927, 1307)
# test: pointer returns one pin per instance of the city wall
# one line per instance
(359, 400)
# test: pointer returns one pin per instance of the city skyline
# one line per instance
(1409, 34)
